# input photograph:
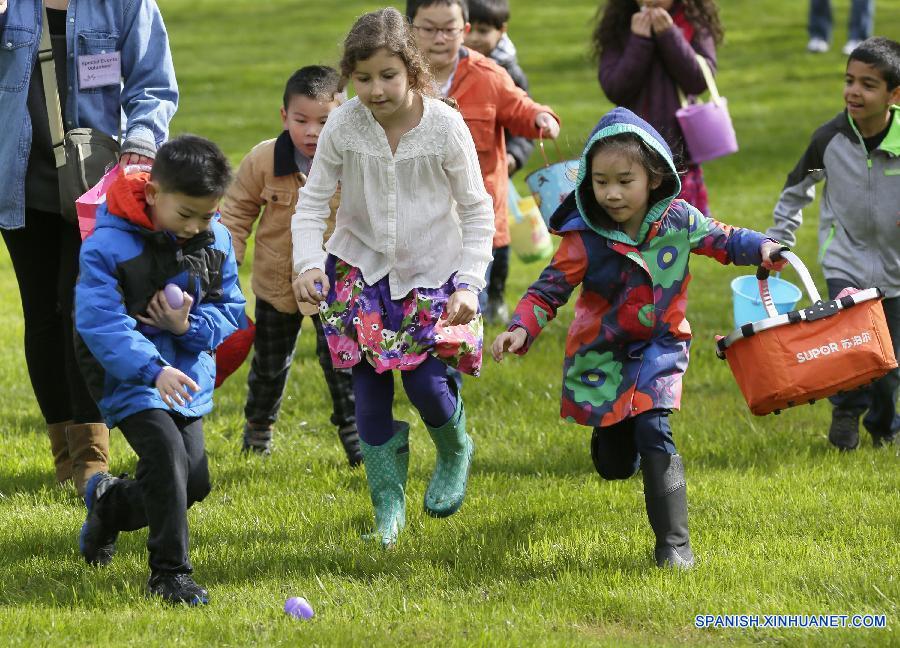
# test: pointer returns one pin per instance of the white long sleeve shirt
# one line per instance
(417, 216)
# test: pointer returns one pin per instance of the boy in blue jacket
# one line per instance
(150, 366)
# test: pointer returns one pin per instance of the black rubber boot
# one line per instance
(665, 493)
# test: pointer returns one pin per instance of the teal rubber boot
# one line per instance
(387, 466)
(447, 488)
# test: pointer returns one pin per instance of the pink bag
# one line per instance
(708, 132)
(86, 204)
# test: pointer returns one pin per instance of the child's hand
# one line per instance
(508, 342)
(461, 307)
(766, 250)
(660, 20)
(640, 23)
(172, 383)
(545, 122)
(311, 287)
(163, 316)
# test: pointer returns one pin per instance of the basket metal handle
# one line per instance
(762, 277)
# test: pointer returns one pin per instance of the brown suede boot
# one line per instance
(89, 450)
(59, 447)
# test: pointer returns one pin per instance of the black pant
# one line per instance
(273, 353)
(172, 473)
(879, 399)
(44, 255)
(498, 273)
(617, 449)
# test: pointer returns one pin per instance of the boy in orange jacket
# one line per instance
(270, 178)
(487, 96)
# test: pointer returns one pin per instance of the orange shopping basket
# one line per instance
(810, 353)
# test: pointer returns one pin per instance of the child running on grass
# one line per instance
(269, 179)
(156, 229)
(408, 255)
(626, 241)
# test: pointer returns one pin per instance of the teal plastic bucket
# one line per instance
(748, 306)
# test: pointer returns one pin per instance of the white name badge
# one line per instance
(97, 70)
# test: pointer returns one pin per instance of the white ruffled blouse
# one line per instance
(417, 216)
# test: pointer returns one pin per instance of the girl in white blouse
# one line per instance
(397, 283)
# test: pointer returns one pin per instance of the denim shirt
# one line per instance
(148, 95)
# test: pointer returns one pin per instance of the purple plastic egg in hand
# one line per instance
(298, 607)
(174, 296)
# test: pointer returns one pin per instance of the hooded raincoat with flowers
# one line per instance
(627, 348)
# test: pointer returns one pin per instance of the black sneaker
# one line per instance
(350, 440)
(844, 431)
(257, 440)
(176, 588)
(96, 542)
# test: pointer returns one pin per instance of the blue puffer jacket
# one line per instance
(123, 264)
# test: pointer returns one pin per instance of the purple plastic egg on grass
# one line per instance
(298, 607)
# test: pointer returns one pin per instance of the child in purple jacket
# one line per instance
(626, 241)
(647, 51)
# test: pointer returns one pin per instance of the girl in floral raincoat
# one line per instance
(626, 240)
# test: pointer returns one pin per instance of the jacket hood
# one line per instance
(125, 198)
(126, 209)
(505, 51)
(580, 211)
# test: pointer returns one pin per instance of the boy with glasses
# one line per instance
(487, 96)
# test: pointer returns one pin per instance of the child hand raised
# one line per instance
(660, 20)
(641, 23)
(508, 342)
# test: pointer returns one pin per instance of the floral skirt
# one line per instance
(363, 321)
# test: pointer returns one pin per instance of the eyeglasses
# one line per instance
(431, 32)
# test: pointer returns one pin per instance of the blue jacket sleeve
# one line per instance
(105, 326)
(724, 243)
(150, 91)
(213, 320)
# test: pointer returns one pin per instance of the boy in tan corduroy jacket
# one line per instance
(266, 188)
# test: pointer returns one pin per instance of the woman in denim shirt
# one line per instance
(44, 247)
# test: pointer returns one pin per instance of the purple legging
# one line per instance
(426, 386)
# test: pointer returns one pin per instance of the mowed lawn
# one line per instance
(543, 552)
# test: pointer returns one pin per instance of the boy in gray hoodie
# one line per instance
(858, 155)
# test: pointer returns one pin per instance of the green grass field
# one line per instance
(544, 552)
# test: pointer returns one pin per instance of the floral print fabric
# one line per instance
(362, 321)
